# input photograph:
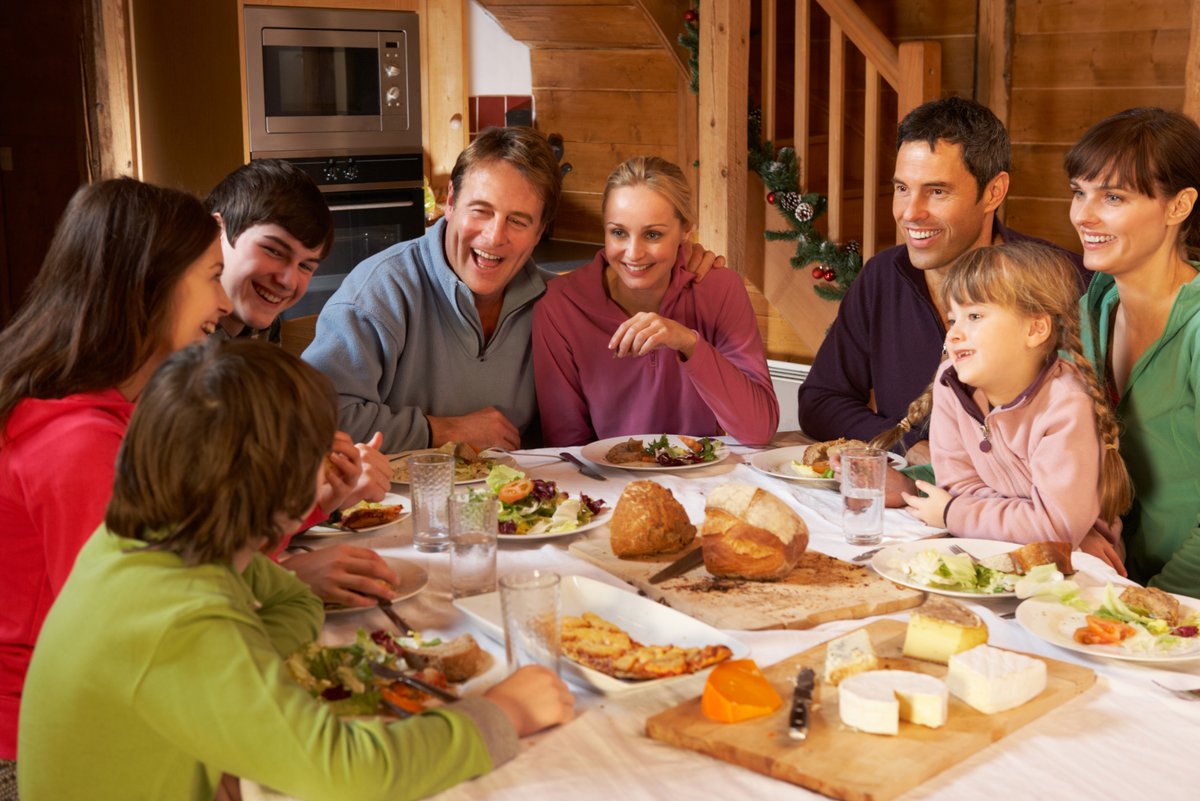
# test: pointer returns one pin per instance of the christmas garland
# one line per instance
(834, 266)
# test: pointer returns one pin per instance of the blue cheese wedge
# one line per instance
(992, 680)
(876, 701)
(849, 655)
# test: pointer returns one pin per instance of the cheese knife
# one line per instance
(689, 561)
(583, 468)
(801, 704)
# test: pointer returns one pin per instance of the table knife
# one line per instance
(689, 561)
(583, 468)
(397, 621)
(801, 704)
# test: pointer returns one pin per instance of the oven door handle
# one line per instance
(399, 204)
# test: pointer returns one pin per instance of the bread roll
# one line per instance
(749, 533)
(649, 520)
(459, 659)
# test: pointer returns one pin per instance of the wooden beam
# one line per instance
(724, 74)
(769, 36)
(837, 127)
(920, 75)
(1191, 79)
(993, 55)
(110, 93)
(870, 162)
(803, 87)
(444, 71)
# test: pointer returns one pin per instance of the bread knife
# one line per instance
(689, 561)
(801, 704)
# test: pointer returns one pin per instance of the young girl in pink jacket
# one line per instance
(1023, 440)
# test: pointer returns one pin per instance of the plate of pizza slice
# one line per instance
(644, 643)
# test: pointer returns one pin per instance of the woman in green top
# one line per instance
(1134, 178)
(160, 669)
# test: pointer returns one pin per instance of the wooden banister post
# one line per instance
(920, 75)
(1191, 79)
(724, 70)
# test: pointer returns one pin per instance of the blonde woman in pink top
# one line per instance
(1023, 440)
(633, 344)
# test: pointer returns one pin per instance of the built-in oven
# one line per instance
(331, 81)
(377, 201)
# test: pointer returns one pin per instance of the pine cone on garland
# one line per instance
(789, 202)
(804, 211)
(852, 247)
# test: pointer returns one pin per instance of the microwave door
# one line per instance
(321, 81)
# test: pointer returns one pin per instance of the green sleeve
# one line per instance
(290, 612)
(919, 472)
(1181, 573)
(216, 689)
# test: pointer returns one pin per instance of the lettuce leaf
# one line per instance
(502, 474)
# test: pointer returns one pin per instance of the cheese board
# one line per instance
(847, 764)
(818, 590)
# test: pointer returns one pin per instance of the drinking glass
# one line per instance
(431, 477)
(864, 471)
(529, 600)
(472, 542)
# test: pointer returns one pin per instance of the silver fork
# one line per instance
(955, 549)
(493, 452)
(1187, 695)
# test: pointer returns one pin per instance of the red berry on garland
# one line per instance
(771, 198)
(818, 272)
(829, 276)
(691, 15)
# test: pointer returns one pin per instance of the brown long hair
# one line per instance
(98, 308)
(1033, 280)
(1150, 150)
(227, 436)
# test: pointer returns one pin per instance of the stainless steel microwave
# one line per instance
(332, 82)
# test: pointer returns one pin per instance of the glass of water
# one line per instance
(864, 471)
(431, 478)
(472, 542)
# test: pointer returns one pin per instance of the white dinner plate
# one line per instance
(887, 562)
(339, 531)
(646, 621)
(778, 463)
(400, 467)
(596, 451)
(597, 521)
(1056, 622)
(413, 579)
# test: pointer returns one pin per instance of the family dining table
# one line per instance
(1123, 737)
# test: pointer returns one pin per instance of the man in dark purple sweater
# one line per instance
(952, 163)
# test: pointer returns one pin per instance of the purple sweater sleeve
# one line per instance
(562, 404)
(728, 367)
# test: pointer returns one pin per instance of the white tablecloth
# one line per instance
(1123, 738)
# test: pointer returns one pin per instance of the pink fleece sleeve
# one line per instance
(560, 398)
(729, 367)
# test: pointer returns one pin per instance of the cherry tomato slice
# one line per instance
(516, 490)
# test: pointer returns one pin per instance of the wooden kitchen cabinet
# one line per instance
(187, 85)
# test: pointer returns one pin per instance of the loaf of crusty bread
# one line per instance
(649, 520)
(749, 533)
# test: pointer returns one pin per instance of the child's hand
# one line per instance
(930, 510)
(375, 477)
(340, 474)
(895, 483)
(534, 699)
(344, 574)
(1102, 549)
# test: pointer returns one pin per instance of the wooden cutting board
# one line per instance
(848, 764)
(820, 589)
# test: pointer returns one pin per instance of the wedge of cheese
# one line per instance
(940, 628)
(737, 691)
(876, 701)
(846, 656)
(992, 680)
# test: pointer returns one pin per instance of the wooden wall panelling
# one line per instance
(1048, 115)
(580, 26)
(1035, 16)
(1102, 59)
(993, 55)
(603, 68)
(1191, 99)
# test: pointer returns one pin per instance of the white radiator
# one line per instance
(787, 378)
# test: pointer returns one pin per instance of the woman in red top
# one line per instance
(133, 274)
